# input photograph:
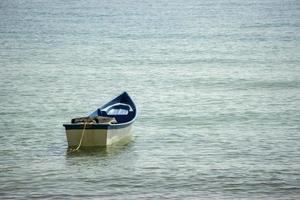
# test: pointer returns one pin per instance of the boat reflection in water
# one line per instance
(102, 152)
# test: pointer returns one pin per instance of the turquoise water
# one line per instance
(217, 84)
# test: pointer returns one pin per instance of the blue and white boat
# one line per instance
(121, 112)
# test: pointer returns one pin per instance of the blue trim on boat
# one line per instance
(96, 126)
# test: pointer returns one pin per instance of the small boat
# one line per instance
(108, 124)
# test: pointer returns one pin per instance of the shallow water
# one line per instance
(216, 83)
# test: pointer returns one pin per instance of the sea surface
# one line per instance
(217, 85)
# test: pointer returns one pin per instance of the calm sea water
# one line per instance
(217, 84)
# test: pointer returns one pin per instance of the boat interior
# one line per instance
(120, 111)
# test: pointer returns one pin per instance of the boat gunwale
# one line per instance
(97, 126)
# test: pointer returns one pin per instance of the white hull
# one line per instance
(98, 137)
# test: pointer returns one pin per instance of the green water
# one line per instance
(217, 85)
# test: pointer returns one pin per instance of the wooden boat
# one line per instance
(109, 124)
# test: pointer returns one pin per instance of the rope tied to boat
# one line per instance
(91, 121)
(82, 134)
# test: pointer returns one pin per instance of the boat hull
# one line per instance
(107, 125)
(99, 137)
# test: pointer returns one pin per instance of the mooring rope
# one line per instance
(82, 134)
